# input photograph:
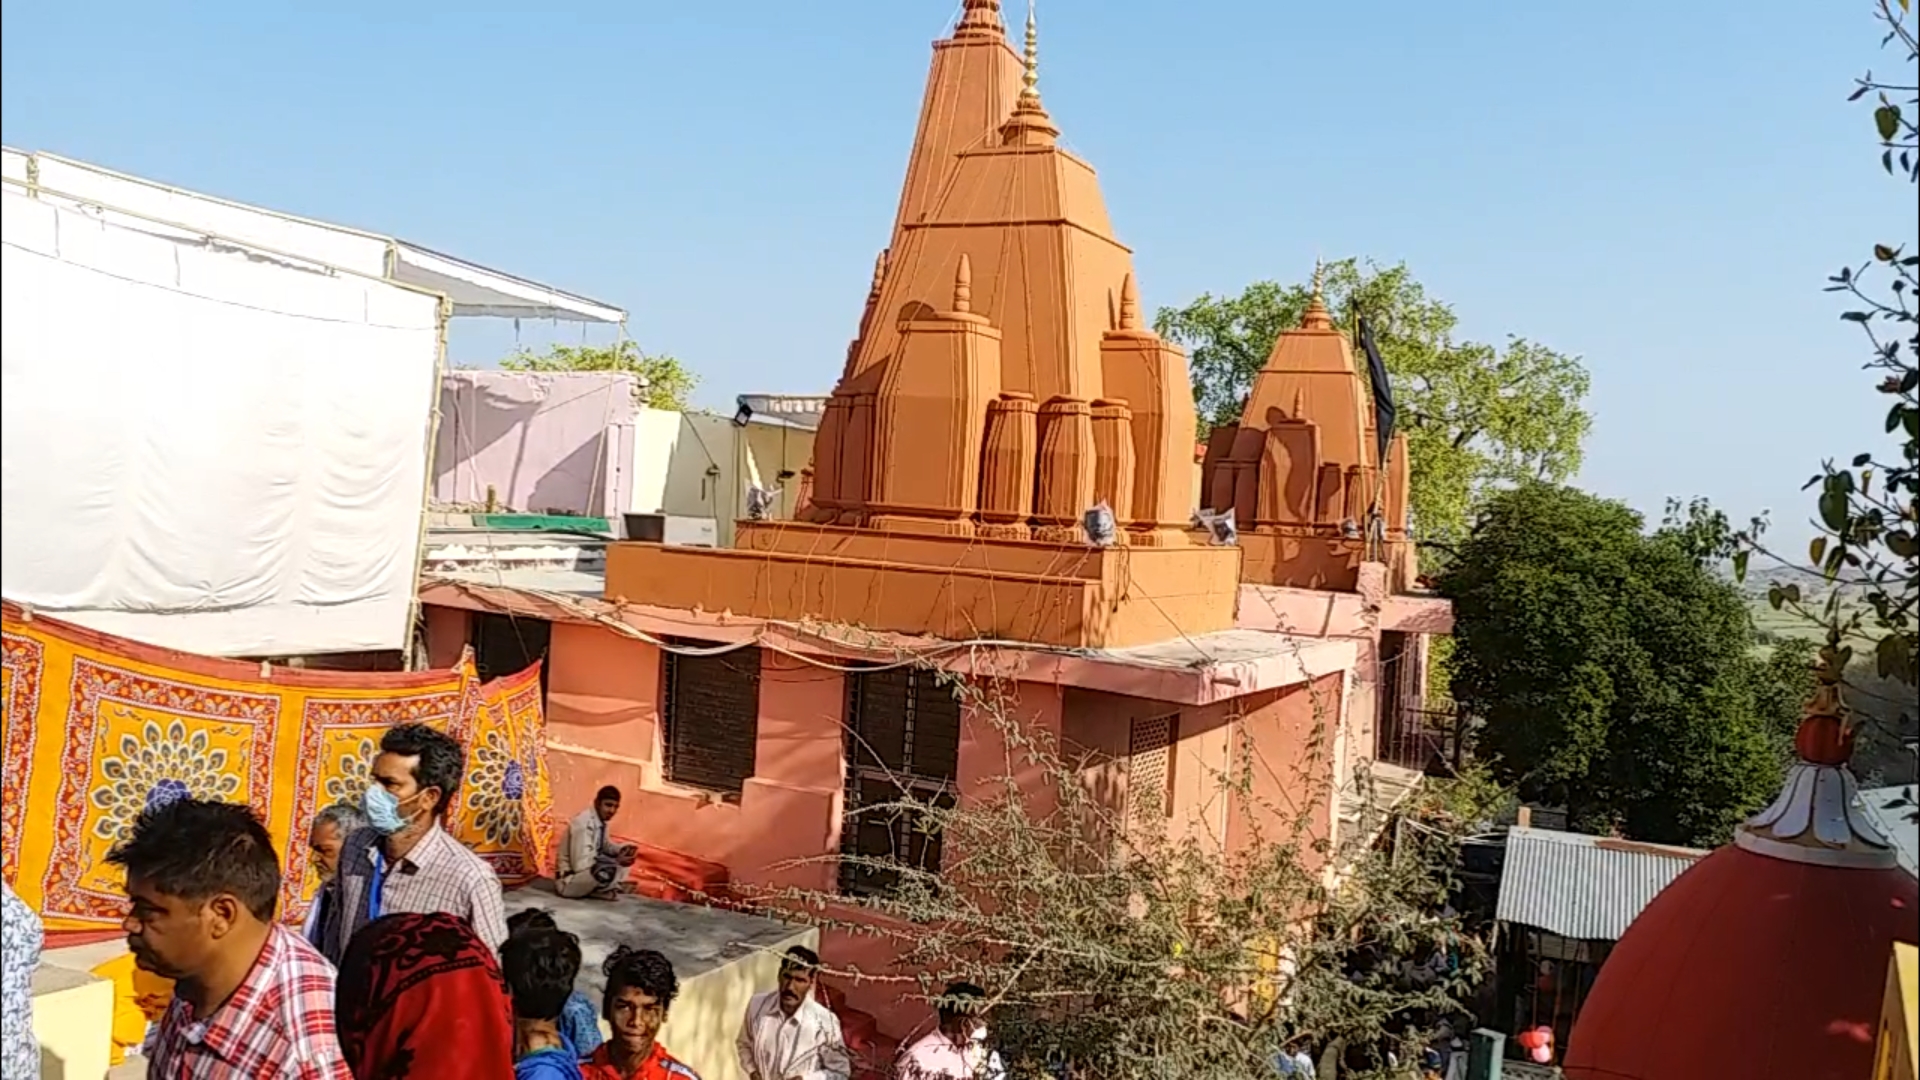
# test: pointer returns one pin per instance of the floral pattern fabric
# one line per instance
(95, 729)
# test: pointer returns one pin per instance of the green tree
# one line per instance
(1867, 544)
(665, 383)
(1476, 416)
(1613, 671)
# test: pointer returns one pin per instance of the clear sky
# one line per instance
(1658, 187)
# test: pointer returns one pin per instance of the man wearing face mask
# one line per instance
(403, 861)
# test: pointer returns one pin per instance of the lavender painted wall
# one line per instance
(542, 441)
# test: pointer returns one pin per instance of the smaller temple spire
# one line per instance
(1030, 125)
(1299, 403)
(1317, 316)
(1129, 304)
(963, 286)
(980, 19)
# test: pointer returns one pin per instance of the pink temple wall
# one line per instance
(543, 441)
(603, 716)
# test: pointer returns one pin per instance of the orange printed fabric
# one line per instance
(96, 728)
(506, 802)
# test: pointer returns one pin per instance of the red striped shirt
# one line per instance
(277, 1026)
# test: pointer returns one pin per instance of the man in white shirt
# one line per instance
(957, 1048)
(787, 1034)
(589, 862)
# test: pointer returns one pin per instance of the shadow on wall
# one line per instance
(538, 440)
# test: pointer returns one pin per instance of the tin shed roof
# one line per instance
(1587, 887)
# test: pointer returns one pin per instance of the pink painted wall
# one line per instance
(543, 441)
(784, 829)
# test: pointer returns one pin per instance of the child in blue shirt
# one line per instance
(540, 964)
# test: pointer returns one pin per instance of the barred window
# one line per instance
(903, 741)
(1150, 747)
(710, 712)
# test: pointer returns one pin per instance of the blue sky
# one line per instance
(1657, 187)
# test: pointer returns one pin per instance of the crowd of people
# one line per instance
(407, 965)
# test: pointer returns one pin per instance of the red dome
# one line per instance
(1752, 966)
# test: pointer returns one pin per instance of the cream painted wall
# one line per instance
(73, 1021)
(700, 465)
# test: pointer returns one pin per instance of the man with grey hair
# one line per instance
(329, 833)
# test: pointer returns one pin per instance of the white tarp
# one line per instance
(473, 289)
(206, 448)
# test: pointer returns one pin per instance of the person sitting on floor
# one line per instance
(579, 1020)
(640, 987)
(541, 963)
(590, 862)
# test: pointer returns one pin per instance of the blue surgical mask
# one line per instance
(383, 809)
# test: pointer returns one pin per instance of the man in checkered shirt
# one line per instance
(404, 861)
(251, 999)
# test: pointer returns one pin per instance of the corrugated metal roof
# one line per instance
(1588, 887)
(1893, 807)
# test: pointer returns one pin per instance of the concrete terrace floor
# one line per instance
(696, 939)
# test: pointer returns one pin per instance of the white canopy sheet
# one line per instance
(473, 289)
(206, 448)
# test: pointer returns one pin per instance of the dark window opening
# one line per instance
(507, 644)
(903, 743)
(710, 711)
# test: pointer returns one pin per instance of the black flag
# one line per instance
(1384, 411)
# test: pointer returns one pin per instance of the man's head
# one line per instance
(416, 774)
(330, 830)
(203, 879)
(640, 987)
(799, 970)
(532, 918)
(540, 963)
(607, 802)
(963, 1012)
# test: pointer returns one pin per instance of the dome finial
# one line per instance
(1029, 125)
(980, 19)
(1030, 80)
(1316, 316)
(1817, 817)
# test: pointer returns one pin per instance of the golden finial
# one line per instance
(1316, 317)
(1030, 81)
(963, 285)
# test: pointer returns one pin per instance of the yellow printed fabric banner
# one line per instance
(96, 728)
(505, 807)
